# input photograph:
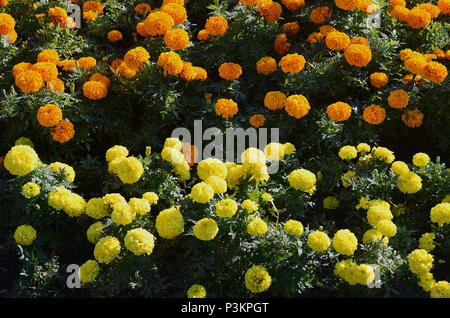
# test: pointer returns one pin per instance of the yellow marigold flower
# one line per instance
(415, 63)
(226, 108)
(96, 208)
(176, 39)
(378, 79)
(418, 18)
(441, 289)
(139, 206)
(289, 148)
(420, 261)
(218, 184)
(158, 23)
(95, 90)
(257, 279)
(139, 241)
(339, 111)
(435, 72)
(318, 241)
(50, 56)
(196, 291)
(345, 242)
(95, 231)
(337, 41)
(216, 26)
(142, 8)
(47, 70)
(49, 115)
(347, 270)
(122, 214)
(292, 63)
(226, 208)
(444, 6)
(31, 189)
(90, 15)
(377, 213)
(250, 206)
(230, 71)
(371, 236)
(107, 249)
(384, 154)
(275, 100)
(257, 227)
(67, 65)
(293, 227)
(409, 182)
(136, 57)
(74, 205)
(88, 271)
(348, 153)
(363, 147)
(29, 81)
(151, 197)
(201, 73)
(257, 120)
(281, 45)
(374, 114)
(320, 15)
(68, 172)
(348, 5)
(176, 11)
(171, 62)
(440, 213)
(386, 227)
(426, 281)
(358, 55)
(348, 177)
(25, 235)
(412, 118)
(426, 242)
(116, 152)
(304, 180)
(130, 170)
(291, 28)
(211, 167)
(399, 167)
(270, 10)
(330, 203)
(206, 229)
(274, 151)
(203, 35)
(170, 223)
(421, 159)
(21, 160)
(202, 192)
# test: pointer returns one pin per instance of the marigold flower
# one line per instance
(59, 16)
(412, 118)
(401, 13)
(100, 78)
(348, 5)
(67, 65)
(205, 229)
(87, 62)
(440, 213)
(49, 115)
(201, 73)
(378, 79)
(55, 85)
(345, 242)
(21, 160)
(418, 18)
(315, 37)
(216, 26)
(176, 39)
(257, 120)
(25, 235)
(48, 56)
(257, 227)
(47, 70)
(179, 2)
(293, 4)
(127, 71)
(270, 10)
(421, 159)
(21, 67)
(188, 72)
(320, 15)
(107, 249)
(249, 2)
(226, 108)
(139, 241)
(196, 291)
(360, 40)
(432, 9)
(293, 227)
(398, 99)
(374, 114)
(230, 71)
(275, 100)
(29, 81)
(292, 63)
(281, 44)
(114, 36)
(257, 279)
(142, 8)
(358, 55)
(304, 180)
(90, 15)
(337, 41)
(291, 28)
(94, 6)
(136, 57)
(339, 111)
(395, 3)
(415, 63)
(435, 72)
(88, 271)
(203, 35)
(171, 62)
(158, 23)
(297, 106)
(63, 132)
(444, 6)
(177, 12)
(318, 241)
(409, 182)
(95, 90)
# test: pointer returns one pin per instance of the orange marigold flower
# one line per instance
(87, 62)
(378, 79)
(358, 55)
(177, 12)
(158, 23)
(365, 6)
(94, 6)
(398, 99)
(179, 2)
(47, 70)
(100, 78)
(114, 36)
(3, 3)
(339, 111)
(315, 37)
(48, 56)
(216, 26)
(188, 72)
(293, 4)
(63, 132)
(291, 28)
(400, 13)
(95, 90)
(374, 114)
(326, 29)
(257, 120)
(320, 15)
(444, 6)
(29, 81)
(430, 8)
(292, 63)
(418, 18)
(337, 40)
(270, 10)
(90, 15)
(348, 5)
(412, 118)
(249, 2)
(201, 74)
(171, 62)
(67, 65)
(203, 35)
(230, 71)
(142, 8)
(360, 40)
(282, 46)
(439, 53)
(49, 115)
(401, 3)
(176, 39)
(58, 15)
(275, 100)
(408, 78)
(297, 106)
(266, 65)
(55, 85)
(415, 63)
(126, 70)
(136, 57)
(226, 108)
(21, 67)
(435, 72)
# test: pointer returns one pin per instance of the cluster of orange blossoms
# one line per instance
(50, 115)
(420, 16)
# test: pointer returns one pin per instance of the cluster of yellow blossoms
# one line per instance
(174, 151)
(128, 168)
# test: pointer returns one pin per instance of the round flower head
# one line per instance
(318, 241)
(139, 206)
(378, 213)
(29, 81)
(202, 192)
(304, 180)
(330, 203)
(176, 11)
(384, 154)
(206, 229)
(297, 106)
(169, 223)
(136, 57)
(320, 15)
(266, 65)
(218, 184)
(293, 227)
(250, 206)
(412, 118)
(345, 242)
(211, 167)
(293, 4)
(281, 45)
(274, 151)
(158, 23)
(426, 242)
(107, 249)
(409, 182)
(386, 227)
(88, 271)
(348, 5)
(94, 232)
(421, 159)
(216, 26)
(226, 208)
(257, 227)
(339, 111)
(122, 214)
(176, 39)
(21, 160)
(257, 279)
(440, 213)
(275, 100)
(289, 148)
(66, 170)
(337, 41)
(420, 261)
(257, 120)
(348, 153)
(372, 236)
(116, 152)
(151, 197)
(398, 99)
(378, 79)
(31, 189)
(95, 90)
(292, 63)
(114, 36)
(48, 56)
(139, 241)
(171, 62)
(226, 108)
(358, 55)
(440, 289)
(399, 167)
(87, 62)
(418, 18)
(374, 114)
(130, 170)
(7, 23)
(196, 291)
(435, 72)
(270, 10)
(25, 235)
(230, 71)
